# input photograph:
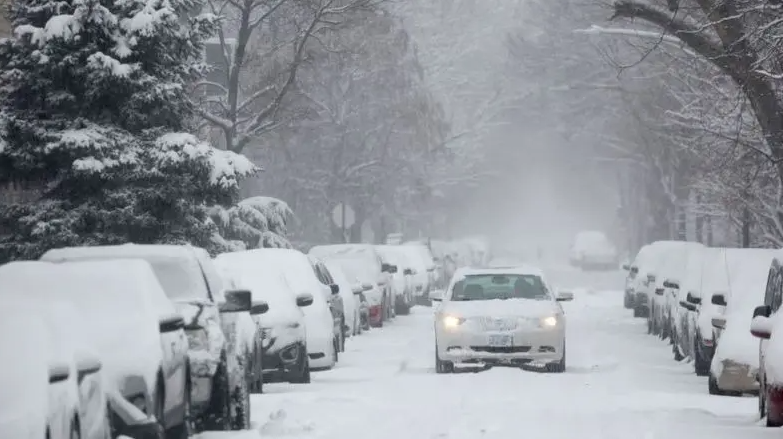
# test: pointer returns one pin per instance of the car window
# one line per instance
(499, 286)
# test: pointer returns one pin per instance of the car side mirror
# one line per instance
(335, 288)
(385, 268)
(436, 296)
(59, 372)
(564, 296)
(393, 269)
(719, 322)
(635, 270)
(259, 307)
(87, 364)
(718, 299)
(659, 291)
(237, 301)
(171, 323)
(763, 310)
(671, 283)
(689, 306)
(761, 327)
(407, 272)
(626, 267)
(304, 299)
(692, 299)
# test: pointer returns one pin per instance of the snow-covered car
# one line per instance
(322, 343)
(668, 275)
(500, 316)
(349, 291)
(593, 250)
(685, 317)
(766, 326)
(402, 281)
(373, 270)
(427, 273)
(134, 330)
(736, 360)
(192, 283)
(283, 326)
(76, 404)
(355, 272)
(331, 291)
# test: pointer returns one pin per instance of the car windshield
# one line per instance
(177, 280)
(499, 286)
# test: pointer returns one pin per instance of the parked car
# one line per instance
(283, 326)
(402, 281)
(736, 361)
(665, 300)
(372, 269)
(687, 326)
(419, 252)
(218, 380)
(349, 291)
(766, 326)
(355, 273)
(142, 349)
(322, 343)
(592, 250)
(331, 290)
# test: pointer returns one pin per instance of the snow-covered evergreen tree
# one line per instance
(94, 108)
(255, 222)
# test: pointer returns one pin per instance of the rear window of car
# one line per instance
(499, 286)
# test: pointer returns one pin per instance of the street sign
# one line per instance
(343, 216)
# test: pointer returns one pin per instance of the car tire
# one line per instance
(75, 432)
(627, 302)
(302, 376)
(712, 386)
(218, 414)
(638, 312)
(240, 403)
(560, 366)
(256, 375)
(700, 364)
(335, 350)
(442, 366)
(187, 428)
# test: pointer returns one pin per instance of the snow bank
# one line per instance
(24, 373)
(747, 274)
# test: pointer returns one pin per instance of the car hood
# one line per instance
(502, 308)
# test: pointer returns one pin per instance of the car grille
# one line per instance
(496, 324)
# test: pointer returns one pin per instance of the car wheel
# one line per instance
(218, 414)
(627, 302)
(187, 428)
(442, 366)
(302, 375)
(256, 374)
(712, 386)
(560, 366)
(159, 405)
(336, 350)
(240, 404)
(75, 431)
(762, 402)
(637, 312)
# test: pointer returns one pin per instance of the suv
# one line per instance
(222, 370)
(770, 397)
(336, 305)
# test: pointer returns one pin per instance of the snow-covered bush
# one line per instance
(255, 222)
(93, 108)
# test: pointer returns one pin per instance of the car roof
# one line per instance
(122, 250)
(524, 269)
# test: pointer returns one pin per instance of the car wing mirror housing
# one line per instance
(237, 301)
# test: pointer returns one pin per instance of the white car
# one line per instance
(500, 316)
(593, 250)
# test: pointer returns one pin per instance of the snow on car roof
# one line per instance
(250, 269)
(176, 266)
(115, 298)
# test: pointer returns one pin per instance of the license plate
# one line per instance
(500, 341)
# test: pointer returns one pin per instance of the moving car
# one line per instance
(592, 250)
(500, 316)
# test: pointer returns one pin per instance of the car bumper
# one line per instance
(465, 346)
(280, 362)
(737, 377)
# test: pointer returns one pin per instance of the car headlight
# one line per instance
(549, 321)
(451, 322)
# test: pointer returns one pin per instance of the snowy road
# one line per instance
(620, 383)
